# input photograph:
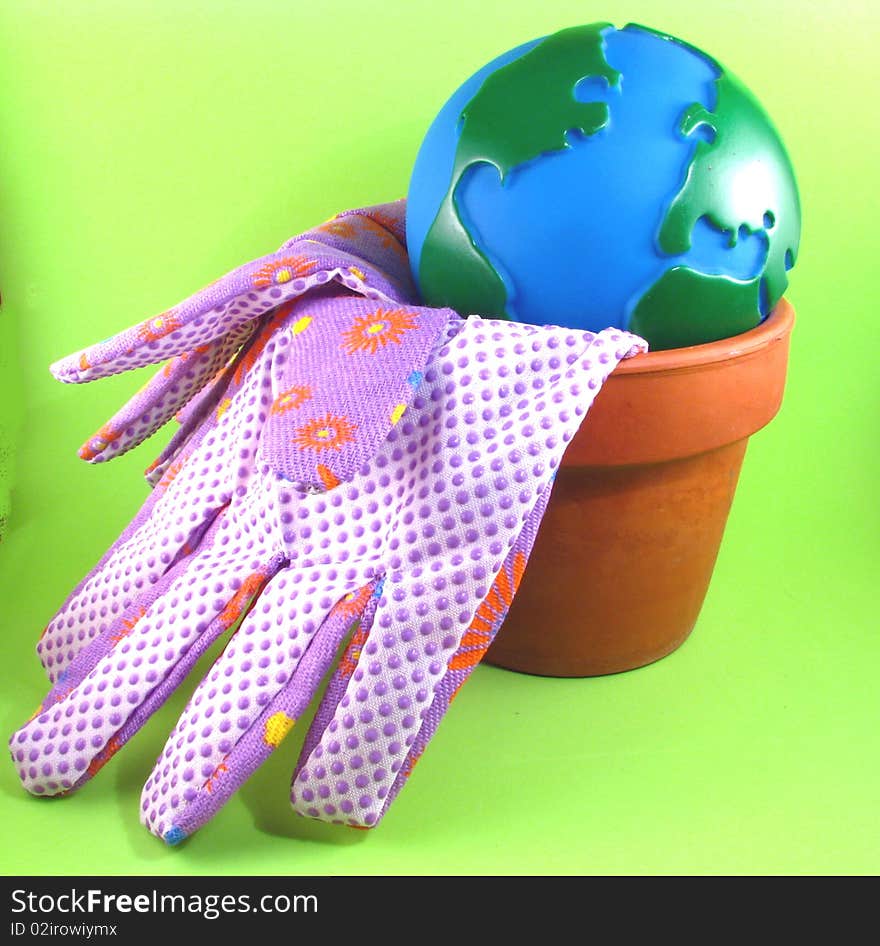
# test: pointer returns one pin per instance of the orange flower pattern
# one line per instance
(281, 271)
(212, 778)
(169, 474)
(386, 238)
(377, 329)
(158, 327)
(104, 756)
(385, 221)
(244, 362)
(153, 466)
(328, 432)
(295, 396)
(126, 626)
(338, 227)
(329, 480)
(352, 604)
(489, 615)
(241, 600)
(98, 442)
(353, 652)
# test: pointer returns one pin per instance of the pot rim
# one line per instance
(776, 326)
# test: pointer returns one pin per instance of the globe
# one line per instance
(605, 177)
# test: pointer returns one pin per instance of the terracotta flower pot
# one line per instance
(625, 552)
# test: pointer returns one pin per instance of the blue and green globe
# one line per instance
(605, 177)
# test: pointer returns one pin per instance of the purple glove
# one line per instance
(360, 464)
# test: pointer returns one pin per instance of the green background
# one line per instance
(147, 148)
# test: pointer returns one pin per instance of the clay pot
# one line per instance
(625, 552)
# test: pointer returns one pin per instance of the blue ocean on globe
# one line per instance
(573, 232)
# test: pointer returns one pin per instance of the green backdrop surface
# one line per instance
(146, 148)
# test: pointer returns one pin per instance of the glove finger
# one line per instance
(336, 686)
(261, 683)
(116, 683)
(242, 295)
(168, 527)
(480, 633)
(193, 420)
(163, 396)
(82, 624)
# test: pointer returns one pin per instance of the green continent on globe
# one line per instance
(688, 308)
(493, 132)
(741, 181)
